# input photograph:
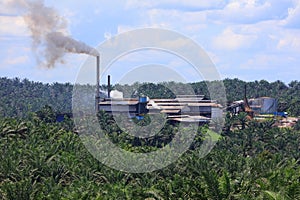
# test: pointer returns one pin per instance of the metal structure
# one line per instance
(254, 107)
(247, 107)
(190, 109)
(97, 100)
(264, 105)
(108, 86)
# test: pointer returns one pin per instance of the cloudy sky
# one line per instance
(245, 39)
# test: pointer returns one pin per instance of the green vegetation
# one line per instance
(45, 159)
(20, 97)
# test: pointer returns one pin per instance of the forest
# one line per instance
(45, 159)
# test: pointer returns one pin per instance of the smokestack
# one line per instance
(108, 86)
(98, 83)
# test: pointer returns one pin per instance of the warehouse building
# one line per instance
(184, 108)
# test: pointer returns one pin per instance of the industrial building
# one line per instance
(255, 106)
(184, 108)
(259, 106)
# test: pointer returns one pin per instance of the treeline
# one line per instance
(19, 97)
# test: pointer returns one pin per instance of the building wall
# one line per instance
(216, 113)
(118, 108)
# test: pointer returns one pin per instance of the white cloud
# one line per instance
(271, 67)
(180, 16)
(244, 34)
(124, 28)
(251, 11)
(14, 54)
(9, 7)
(179, 4)
(188, 23)
(289, 42)
(228, 40)
(13, 26)
(107, 35)
(293, 18)
(17, 60)
(265, 65)
(259, 62)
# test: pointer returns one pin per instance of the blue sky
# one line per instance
(246, 39)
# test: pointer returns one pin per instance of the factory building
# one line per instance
(261, 105)
(184, 108)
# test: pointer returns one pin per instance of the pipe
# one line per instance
(108, 86)
(98, 84)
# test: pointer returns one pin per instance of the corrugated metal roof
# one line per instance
(170, 111)
(186, 104)
(168, 104)
(119, 102)
(183, 100)
(167, 107)
(191, 119)
(204, 104)
(190, 96)
(161, 105)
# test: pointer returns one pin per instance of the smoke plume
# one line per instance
(49, 33)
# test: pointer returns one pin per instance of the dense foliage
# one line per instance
(19, 97)
(45, 159)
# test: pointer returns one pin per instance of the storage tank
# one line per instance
(142, 106)
(269, 105)
(143, 99)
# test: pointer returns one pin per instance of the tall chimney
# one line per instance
(108, 86)
(98, 84)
